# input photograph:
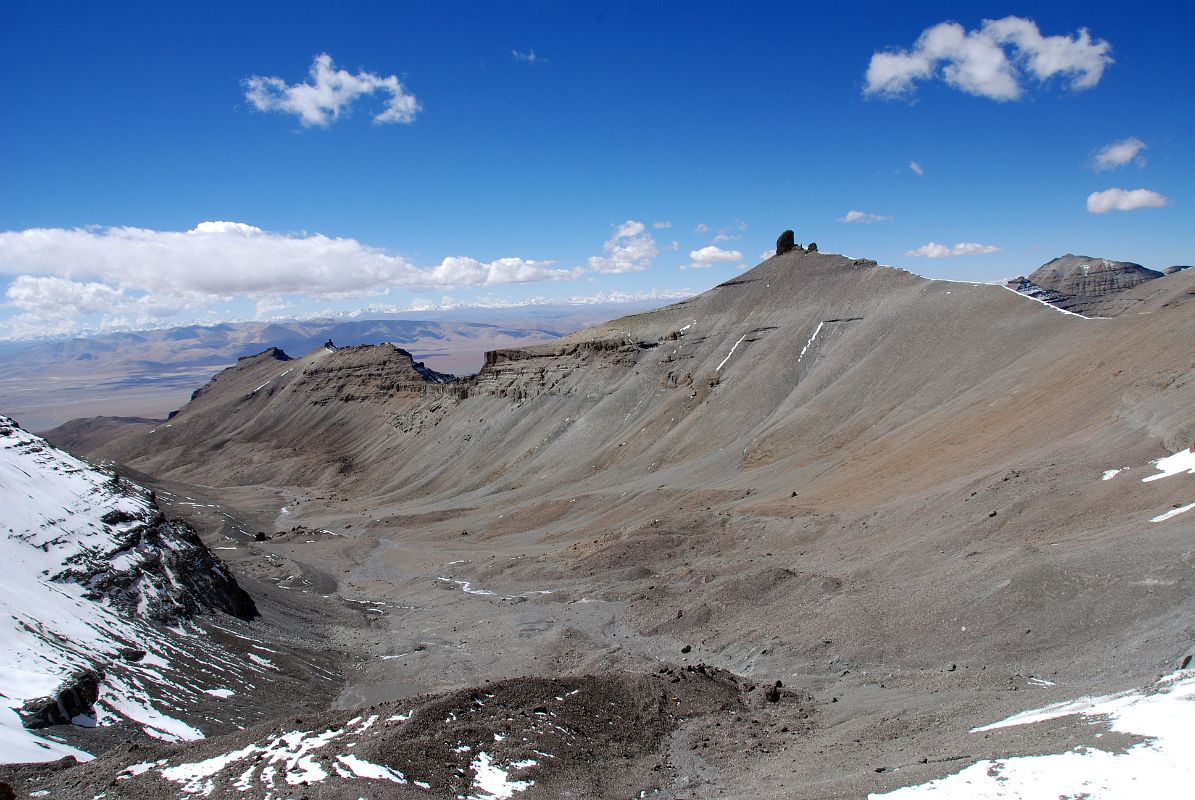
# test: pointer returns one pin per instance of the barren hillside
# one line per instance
(918, 504)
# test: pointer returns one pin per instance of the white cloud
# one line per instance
(59, 297)
(616, 296)
(62, 274)
(989, 62)
(766, 254)
(710, 255)
(1119, 153)
(661, 224)
(935, 250)
(1124, 200)
(448, 303)
(528, 57)
(48, 306)
(701, 228)
(330, 92)
(913, 165)
(864, 217)
(229, 258)
(727, 237)
(629, 228)
(629, 250)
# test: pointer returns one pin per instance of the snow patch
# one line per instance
(492, 782)
(1180, 462)
(370, 771)
(1158, 767)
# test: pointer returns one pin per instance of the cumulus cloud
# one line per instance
(630, 249)
(527, 57)
(629, 228)
(59, 297)
(1124, 200)
(48, 306)
(701, 228)
(710, 255)
(329, 92)
(60, 274)
(989, 62)
(661, 224)
(229, 258)
(864, 217)
(1119, 153)
(935, 250)
(917, 168)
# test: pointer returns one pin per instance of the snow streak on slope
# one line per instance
(809, 343)
(87, 573)
(1160, 766)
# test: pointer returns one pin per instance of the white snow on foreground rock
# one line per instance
(1163, 765)
(93, 575)
(304, 758)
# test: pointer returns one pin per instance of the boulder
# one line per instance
(811, 247)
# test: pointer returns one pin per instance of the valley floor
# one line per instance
(410, 606)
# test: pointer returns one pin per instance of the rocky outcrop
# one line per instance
(785, 243)
(368, 372)
(1092, 287)
(73, 699)
(1175, 268)
(132, 558)
(275, 353)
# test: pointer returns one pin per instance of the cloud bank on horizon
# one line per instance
(138, 276)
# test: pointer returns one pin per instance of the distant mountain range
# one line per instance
(150, 373)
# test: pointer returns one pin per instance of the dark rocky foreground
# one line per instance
(582, 736)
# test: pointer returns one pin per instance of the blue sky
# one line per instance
(448, 166)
